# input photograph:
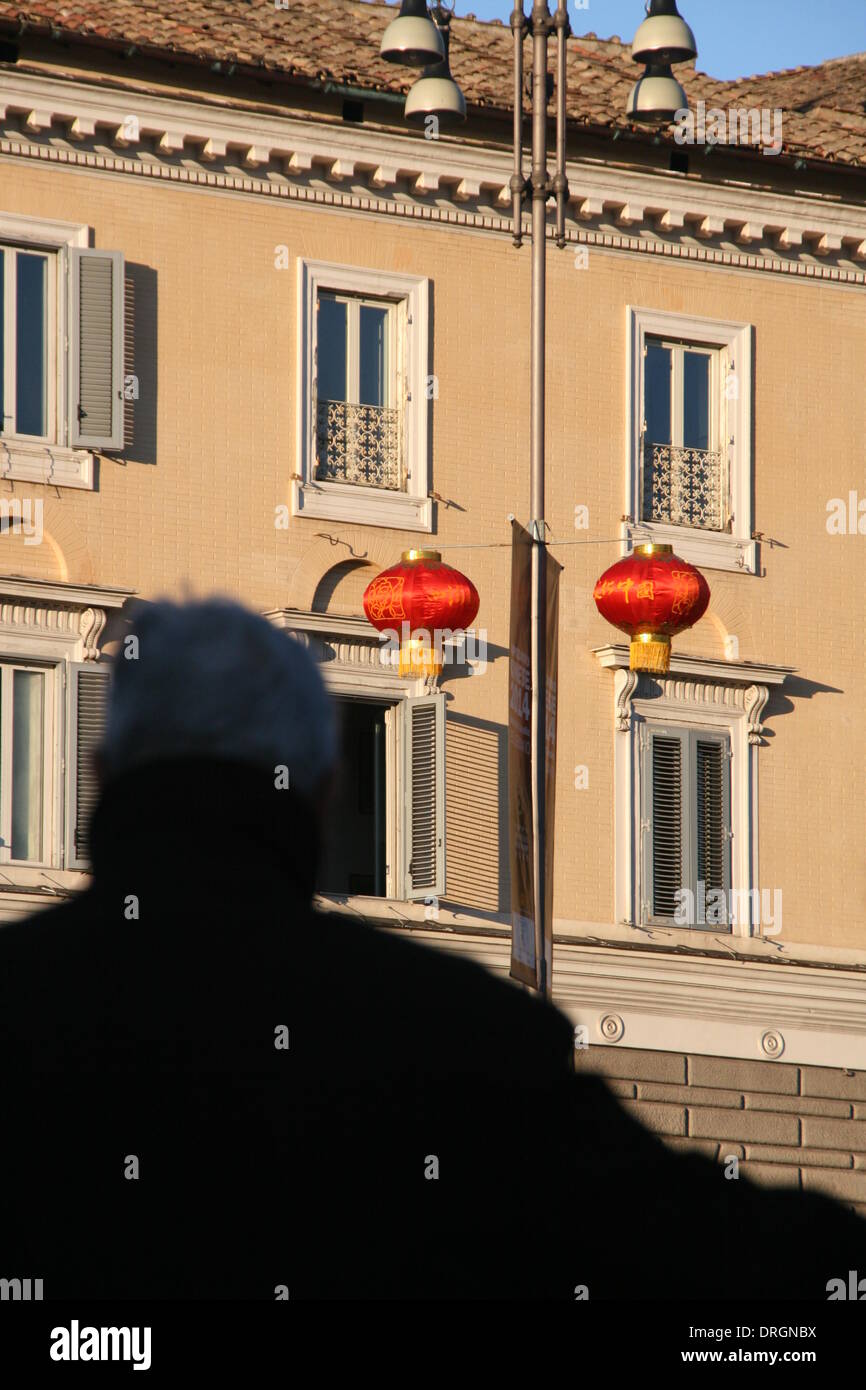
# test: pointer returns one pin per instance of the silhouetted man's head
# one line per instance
(213, 680)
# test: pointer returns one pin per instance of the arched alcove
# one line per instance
(341, 588)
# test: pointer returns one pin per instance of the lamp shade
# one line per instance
(436, 96)
(656, 97)
(412, 38)
(436, 93)
(652, 595)
(664, 36)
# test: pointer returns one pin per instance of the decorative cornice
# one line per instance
(51, 594)
(331, 638)
(706, 668)
(695, 680)
(189, 142)
(53, 619)
(329, 624)
(44, 618)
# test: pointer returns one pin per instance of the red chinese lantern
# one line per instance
(652, 595)
(420, 600)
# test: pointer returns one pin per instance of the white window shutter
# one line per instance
(96, 343)
(88, 702)
(423, 838)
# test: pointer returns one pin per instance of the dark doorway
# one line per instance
(353, 856)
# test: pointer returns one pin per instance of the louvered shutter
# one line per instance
(712, 813)
(96, 345)
(423, 743)
(88, 701)
(668, 842)
(685, 822)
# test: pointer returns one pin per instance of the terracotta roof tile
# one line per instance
(824, 107)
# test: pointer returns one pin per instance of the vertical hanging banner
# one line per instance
(526, 964)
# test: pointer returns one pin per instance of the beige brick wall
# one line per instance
(801, 1127)
(216, 334)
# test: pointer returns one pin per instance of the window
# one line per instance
(386, 826)
(686, 825)
(53, 698)
(26, 749)
(386, 822)
(684, 470)
(358, 426)
(35, 798)
(363, 397)
(354, 857)
(686, 812)
(61, 351)
(689, 462)
(27, 317)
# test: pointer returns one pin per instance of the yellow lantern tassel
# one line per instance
(418, 658)
(650, 651)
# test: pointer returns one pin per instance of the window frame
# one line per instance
(734, 550)
(697, 694)
(688, 735)
(9, 328)
(52, 760)
(354, 665)
(355, 302)
(402, 700)
(27, 458)
(678, 349)
(392, 773)
(411, 509)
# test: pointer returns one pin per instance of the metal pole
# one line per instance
(518, 183)
(560, 182)
(541, 25)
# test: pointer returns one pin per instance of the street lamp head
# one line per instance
(436, 93)
(436, 96)
(664, 37)
(656, 97)
(412, 38)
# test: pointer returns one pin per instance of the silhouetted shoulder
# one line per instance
(421, 989)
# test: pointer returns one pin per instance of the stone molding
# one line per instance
(671, 1000)
(743, 687)
(328, 164)
(57, 619)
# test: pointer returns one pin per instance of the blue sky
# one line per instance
(736, 38)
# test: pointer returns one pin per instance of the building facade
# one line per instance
(259, 338)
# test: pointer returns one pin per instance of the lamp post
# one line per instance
(662, 39)
(539, 189)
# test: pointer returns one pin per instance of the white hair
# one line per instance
(211, 679)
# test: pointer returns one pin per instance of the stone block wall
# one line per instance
(793, 1126)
